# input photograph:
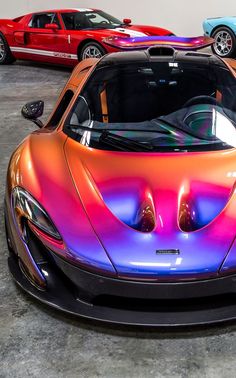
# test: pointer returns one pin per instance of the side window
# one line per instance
(76, 21)
(63, 105)
(69, 20)
(39, 21)
(96, 18)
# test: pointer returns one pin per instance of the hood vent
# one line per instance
(199, 204)
(145, 219)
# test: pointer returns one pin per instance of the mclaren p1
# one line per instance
(122, 207)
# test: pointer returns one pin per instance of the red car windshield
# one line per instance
(89, 20)
(157, 106)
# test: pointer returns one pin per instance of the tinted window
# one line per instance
(39, 21)
(65, 101)
(168, 106)
(89, 20)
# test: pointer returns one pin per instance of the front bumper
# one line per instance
(92, 296)
(79, 292)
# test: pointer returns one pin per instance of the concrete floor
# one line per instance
(36, 341)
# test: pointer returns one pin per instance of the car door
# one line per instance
(44, 42)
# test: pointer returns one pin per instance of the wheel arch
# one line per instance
(221, 26)
(84, 42)
(4, 35)
(10, 57)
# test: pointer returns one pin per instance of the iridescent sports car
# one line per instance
(223, 30)
(122, 207)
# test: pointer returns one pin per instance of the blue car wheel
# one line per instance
(225, 42)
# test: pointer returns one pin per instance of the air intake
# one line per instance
(161, 51)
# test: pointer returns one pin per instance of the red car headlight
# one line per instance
(26, 208)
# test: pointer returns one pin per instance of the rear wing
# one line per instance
(141, 43)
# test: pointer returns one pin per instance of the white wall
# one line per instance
(183, 17)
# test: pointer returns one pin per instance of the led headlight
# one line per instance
(25, 207)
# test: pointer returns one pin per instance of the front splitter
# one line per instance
(61, 298)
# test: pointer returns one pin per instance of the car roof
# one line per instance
(67, 10)
(149, 55)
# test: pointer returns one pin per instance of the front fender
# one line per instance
(229, 263)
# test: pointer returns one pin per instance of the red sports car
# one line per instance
(65, 36)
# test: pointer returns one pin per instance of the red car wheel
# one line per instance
(91, 50)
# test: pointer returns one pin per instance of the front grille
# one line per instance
(155, 305)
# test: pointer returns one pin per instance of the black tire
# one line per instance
(96, 51)
(6, 56)
(224, 34)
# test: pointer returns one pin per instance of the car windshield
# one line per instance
(89, 20)
(156, 106)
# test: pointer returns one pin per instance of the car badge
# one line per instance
(167, 251)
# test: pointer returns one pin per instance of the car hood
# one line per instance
(221, 20)
(129, 31)
(186, 202)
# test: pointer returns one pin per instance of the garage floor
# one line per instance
(36, 341)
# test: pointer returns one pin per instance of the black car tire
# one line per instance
(224, 34)
(6, 56)
(91, 50)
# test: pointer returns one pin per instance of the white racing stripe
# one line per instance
(82, 9)
(58, 54)
(54, 54)
(132, 33)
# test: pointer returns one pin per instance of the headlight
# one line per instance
(25, 207)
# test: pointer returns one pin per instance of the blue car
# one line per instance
(223, 30)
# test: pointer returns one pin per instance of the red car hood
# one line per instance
(129, 31)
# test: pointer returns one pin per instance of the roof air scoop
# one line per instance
(161, 51)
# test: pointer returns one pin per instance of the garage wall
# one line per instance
(183, 17)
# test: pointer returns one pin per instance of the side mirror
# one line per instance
(32, 111)
(51, 26)
(127, 21)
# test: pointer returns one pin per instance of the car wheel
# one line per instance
(91, 50)
(6, 56)
(225, 42)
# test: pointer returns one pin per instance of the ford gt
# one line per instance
(65, 36)
(122, 207)
(223, 30)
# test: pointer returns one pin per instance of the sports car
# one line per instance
(65, 36)
(223, 30)
(122, 207)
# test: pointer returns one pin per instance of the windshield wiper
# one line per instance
(123, 143)
(113, 140)
(161, 130)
